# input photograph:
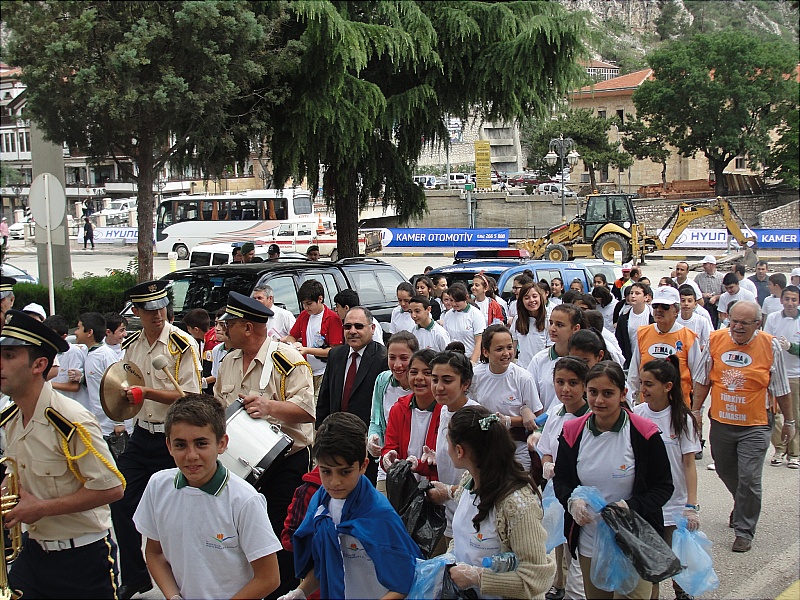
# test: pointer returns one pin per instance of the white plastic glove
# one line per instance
(413, 461)
(505, 420)
(428, 456)
(440, 493)
(533, 440)
(389, 459)
(784, 343)
(374, 445)
(204, 383)
(580, 511)
(548, 470)
(692, 519)
(295, 594)
(466, 576)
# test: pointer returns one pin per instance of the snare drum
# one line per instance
(254, 445)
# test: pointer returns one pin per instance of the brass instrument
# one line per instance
(7, 502)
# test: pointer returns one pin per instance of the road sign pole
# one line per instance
(48, 227)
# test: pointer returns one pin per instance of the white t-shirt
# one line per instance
(608, 314)
(789, 328)
(314, 340)
(748, 285)
(700, 325)
(420, 421)
(694, 286)
(541, 367)
(97, 361)
(512, 310)
(445, 470)
(557, 415)
(434, 336)
(529, 343)
(463, 325)
(360, 578)
(771, 304)
(280, 324)
(634, 322)
(470, 546)
(676, 449)
(377, 335)
(606, 462)
(725, 299)
(74, 358)
(117, 350)
(507, 393)
(390, 396)
(209, 540)
(401, 321)
(612, 345)
(218, 352)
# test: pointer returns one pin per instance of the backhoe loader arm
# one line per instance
(688, 212)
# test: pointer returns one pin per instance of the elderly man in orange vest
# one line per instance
(741, 366)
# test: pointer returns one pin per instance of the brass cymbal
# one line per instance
(117, 379)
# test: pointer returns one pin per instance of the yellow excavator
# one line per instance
(609, 225)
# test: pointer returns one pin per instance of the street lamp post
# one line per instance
(562, 148)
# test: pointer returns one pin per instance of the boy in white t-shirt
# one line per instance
(70, 361)
(428, 332)
(207, 530)
(772, 303)
(691, 318)
(116, 330)
(351, 543)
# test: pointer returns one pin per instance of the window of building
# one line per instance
(601, 113)
(740, 163)
(621, 115)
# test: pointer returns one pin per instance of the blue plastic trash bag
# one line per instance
(428, 576)
(693, 548)
(553, 520)
(611, 569)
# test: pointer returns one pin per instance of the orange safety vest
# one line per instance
(740, 378)
(654, 344)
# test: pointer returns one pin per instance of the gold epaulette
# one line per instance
(181, 344)
(129, 339)
(8, 413)
(64, 426)
(283, 364)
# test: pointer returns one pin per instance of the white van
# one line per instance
(555, 188)
(426, 181)
(458, 179)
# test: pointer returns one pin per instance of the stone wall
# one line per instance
(531, 216)
(783, 217)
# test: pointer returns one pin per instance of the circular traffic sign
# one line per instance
(42, 194)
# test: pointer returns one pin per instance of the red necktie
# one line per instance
(349, 380)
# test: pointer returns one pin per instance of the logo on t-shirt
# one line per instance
(736, 358)
(732, 379)
(660, 350)
(220, 541)
(622, 471)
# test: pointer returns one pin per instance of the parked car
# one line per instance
(505, 264)
(555, 188)
(117, 211)
(17, 230)
(208, 287)
(426, 181)
(21, 275)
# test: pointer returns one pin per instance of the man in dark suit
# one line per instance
(351, 371)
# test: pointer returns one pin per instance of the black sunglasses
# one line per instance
(353, 325)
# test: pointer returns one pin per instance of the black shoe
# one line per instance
(126, 592)
(681, 595)
(555, 594)
(741, 544)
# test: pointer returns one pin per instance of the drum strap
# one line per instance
(266, 369)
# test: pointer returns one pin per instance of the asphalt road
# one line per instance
(767, 570)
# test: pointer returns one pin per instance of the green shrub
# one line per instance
(92, 293)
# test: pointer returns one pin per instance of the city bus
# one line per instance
(184, 221)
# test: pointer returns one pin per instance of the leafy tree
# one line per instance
(783, 161)
(154, 81)
(590, 134)
(375, 82)
(9, 175)
(647, 141)
(720, 94)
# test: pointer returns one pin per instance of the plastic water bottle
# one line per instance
(501, 563)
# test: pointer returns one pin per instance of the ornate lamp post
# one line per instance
(562, 148)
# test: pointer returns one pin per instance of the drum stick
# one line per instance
(160, 362)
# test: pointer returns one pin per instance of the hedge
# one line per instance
(90, 294)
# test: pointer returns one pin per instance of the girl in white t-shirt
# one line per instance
(506, 389)
(568, 380)
(565, 319)
(389, 387)
(490, 308)
(464, 322)
(529, 327)
(499, 510)
(663, 404)
(525, 277)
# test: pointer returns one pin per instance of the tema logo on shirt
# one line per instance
(736, 358)
(660, 350)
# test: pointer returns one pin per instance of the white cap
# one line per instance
(795, 273)
(626, 266)
(709, 259)
(36, 309)
(666, 295)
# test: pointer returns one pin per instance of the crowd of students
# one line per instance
(456, 393)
